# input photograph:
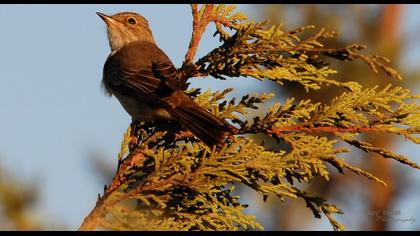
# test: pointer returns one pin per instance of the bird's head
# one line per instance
(126, 27)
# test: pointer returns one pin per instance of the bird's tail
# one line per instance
(207, 127)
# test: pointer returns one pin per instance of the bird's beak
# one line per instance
(108, 20)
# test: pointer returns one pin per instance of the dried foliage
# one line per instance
(169, 180)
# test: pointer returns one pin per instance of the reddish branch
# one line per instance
(183, 134)
(100, 210)
(199, 25)
(134, 159)
(220, 20)
(104, 203)
(323, 129)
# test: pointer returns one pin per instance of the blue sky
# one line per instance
(53, 113)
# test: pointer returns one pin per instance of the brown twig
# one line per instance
(91, 221)
(199, 25)
(184, 134)
(323, 129)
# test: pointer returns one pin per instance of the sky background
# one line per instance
(54, 115)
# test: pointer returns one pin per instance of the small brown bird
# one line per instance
(143, 79)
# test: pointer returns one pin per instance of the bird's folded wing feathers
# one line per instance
(135, 76)
(142, 81)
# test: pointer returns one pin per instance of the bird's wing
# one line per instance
(141, 70)
(141, 81)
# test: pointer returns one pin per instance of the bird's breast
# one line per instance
(141, 111)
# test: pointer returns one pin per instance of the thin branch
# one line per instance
(91, 221)
(199, 26)
(322, 129)
(134, 159)
(100, 210)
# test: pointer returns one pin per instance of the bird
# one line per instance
(144, 80)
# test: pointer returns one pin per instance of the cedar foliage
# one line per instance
(169, 180)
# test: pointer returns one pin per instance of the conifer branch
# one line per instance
(168, 179)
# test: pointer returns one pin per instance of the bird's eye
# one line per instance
(131, 21)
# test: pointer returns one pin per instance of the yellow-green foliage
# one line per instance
(169, 180)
